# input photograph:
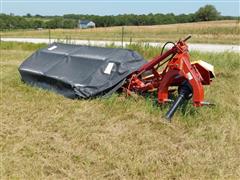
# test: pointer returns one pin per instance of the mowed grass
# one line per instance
(223, 32)
(46, 136)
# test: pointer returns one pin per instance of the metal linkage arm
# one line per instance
(150, 65)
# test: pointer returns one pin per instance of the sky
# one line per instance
(114, 7)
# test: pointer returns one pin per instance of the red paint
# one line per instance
(177, 70)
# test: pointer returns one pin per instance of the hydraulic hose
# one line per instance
(169, 42)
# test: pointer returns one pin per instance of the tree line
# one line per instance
(206, 13)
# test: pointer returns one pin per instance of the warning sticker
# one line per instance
(189, 76)
(52, 48)
(109, 68)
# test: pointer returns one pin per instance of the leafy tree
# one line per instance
(2, 24)
(28, 15)
(37, 24)
(207, 13)
(11, 21)
(37, 15)
(55, 23)
(69, 23)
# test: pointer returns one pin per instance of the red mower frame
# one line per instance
(179, 71)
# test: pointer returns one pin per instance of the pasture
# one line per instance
(216, 32)
(46, 136)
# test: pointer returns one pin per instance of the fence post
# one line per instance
(122, 35)
(49, 36)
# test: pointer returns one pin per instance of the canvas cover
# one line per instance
(77, 71)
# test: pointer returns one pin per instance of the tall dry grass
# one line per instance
(223, 32)
(46, 136)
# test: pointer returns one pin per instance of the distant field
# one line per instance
(46, 136)
(222, 32)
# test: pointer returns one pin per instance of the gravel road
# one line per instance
(197, 47)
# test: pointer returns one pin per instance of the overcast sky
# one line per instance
(114, 7)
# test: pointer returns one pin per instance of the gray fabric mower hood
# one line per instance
(77, 71)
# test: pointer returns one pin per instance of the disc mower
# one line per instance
(77, 71)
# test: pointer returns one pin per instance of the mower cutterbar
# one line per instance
(189, 78)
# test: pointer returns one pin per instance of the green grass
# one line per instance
(44, 135)
(222, 32)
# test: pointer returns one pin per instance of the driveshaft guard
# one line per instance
(77, 71)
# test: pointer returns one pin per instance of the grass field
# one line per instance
(46, 136)
(223, 32)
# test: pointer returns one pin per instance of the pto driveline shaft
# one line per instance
(179, 100)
